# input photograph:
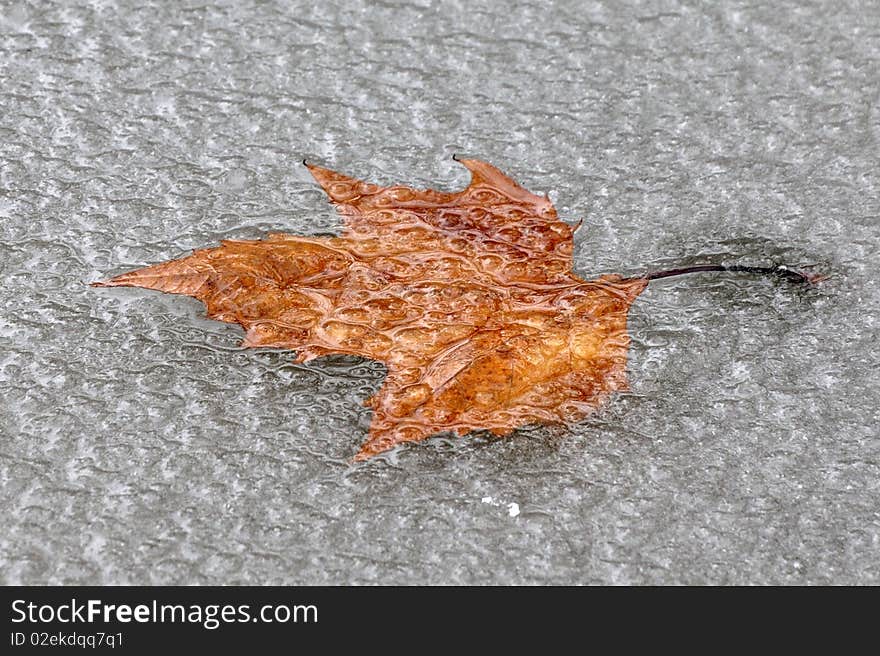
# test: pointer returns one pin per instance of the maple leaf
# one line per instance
(468, 298)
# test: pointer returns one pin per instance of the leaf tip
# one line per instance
(814, 278)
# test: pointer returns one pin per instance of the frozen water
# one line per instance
(140, 444)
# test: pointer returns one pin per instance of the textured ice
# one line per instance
(140, 444)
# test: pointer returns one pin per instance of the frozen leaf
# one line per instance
(468, 298)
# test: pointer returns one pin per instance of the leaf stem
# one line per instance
(780, 271)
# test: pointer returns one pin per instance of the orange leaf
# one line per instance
(468, 298)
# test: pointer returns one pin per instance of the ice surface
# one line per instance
(140, 444)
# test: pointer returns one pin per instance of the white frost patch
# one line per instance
(512, 508)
